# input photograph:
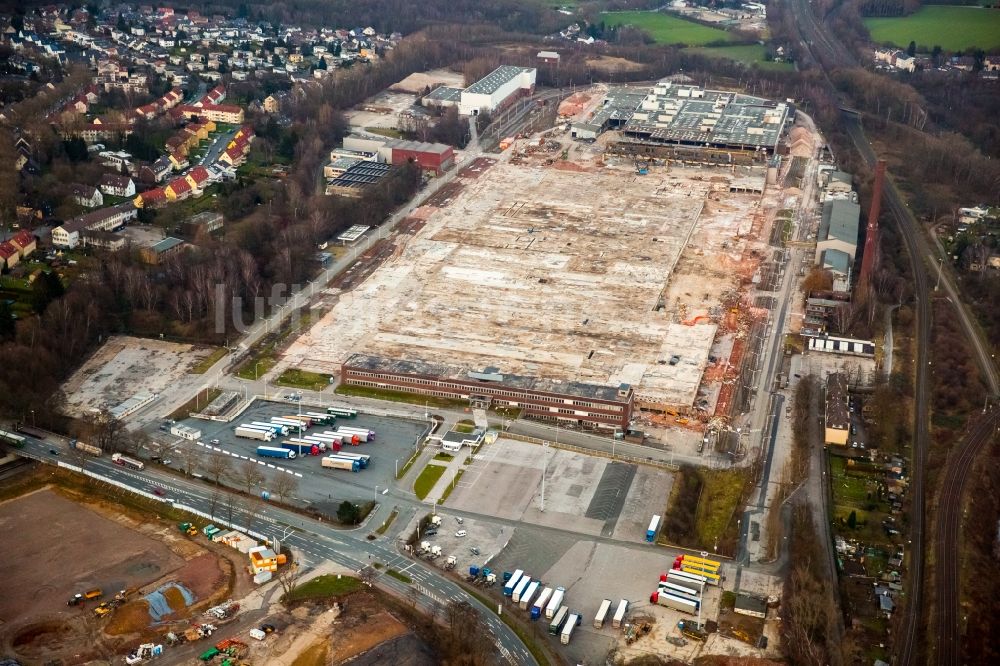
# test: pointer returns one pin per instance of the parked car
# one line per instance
(461, 533)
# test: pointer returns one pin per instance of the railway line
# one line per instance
(830, 54)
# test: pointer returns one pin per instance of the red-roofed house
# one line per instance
(9, 255)
(151, 198)
(220, 113)
(179, 188)
(198, 177)
(24, 242)
(214, 96)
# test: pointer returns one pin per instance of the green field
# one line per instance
(951, 28)
(425, 482)
(748, 54)
(667, 29)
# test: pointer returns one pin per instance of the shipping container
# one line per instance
(555, 602)
(515, 578)
(602, 612)
(620, 614)
(557, 622)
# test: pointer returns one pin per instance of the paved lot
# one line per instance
(394, 441)
(588, 494)
(124, 366)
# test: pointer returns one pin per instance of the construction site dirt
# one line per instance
(556, 260)
(64, 547)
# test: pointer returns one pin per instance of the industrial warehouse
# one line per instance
(682, 115)
(497, 90)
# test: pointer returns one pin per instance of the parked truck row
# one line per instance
(682, 588)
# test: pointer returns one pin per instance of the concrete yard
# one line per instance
(125, 366)
(580, 273)
(585, 494)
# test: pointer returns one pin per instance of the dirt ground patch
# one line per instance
(131, 618)
(415, 83)
(91, 551)
(125, 366)
(613, 64)
(376, 629)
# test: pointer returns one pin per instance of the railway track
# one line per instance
(982, 431)
(831, 54)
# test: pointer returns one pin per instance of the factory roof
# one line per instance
(840, 221)
(422, 147)
(496, 79)
(444, 94)
(688, 114)
(618, 106)
(361, 175)
(836, 261)
(407, 367)
(354, 233)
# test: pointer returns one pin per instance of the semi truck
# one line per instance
(86, 448)
(538, 607)
(342, 412)
(555, 602)
(343, 437)
(335, 462)
(512, 581)
(557, 622)
(572, 622)
(294, 427)
(681, 576)
(522, 585)
(679, 590)
(710, 577)
(275, 452)
(365, 434)
(692, 587)
(619, 617)
(527, 595)
(89, 595)
(676, 602)
(304, 449)
(276, 428)
(327, 442)
(360, 457)
(249, 432)
(654, 525)
(322, 419)
(125, 461)
(311, 442)
(602, 612)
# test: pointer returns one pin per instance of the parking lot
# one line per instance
(394, 441)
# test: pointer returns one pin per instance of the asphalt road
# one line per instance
(317, 541)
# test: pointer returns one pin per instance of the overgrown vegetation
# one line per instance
(809, 627)
(704, 509)
(303, 379)
(195, 404)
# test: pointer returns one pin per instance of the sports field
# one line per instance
(748, 54)
(667, 29)
(951, 28)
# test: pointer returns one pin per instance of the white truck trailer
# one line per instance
(249, 432)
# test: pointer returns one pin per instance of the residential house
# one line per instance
(837, 418)
(178, 189)
(87, 196)
(117, 186)
(151, 198)
(25, 242)
(9, 255)
(198, 178)
(202, 224)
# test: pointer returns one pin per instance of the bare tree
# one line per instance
(231, 505)
(284, 485)
(250, 475)
(288, 577)
(218, 467)
(189, 457)
(213, 502)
